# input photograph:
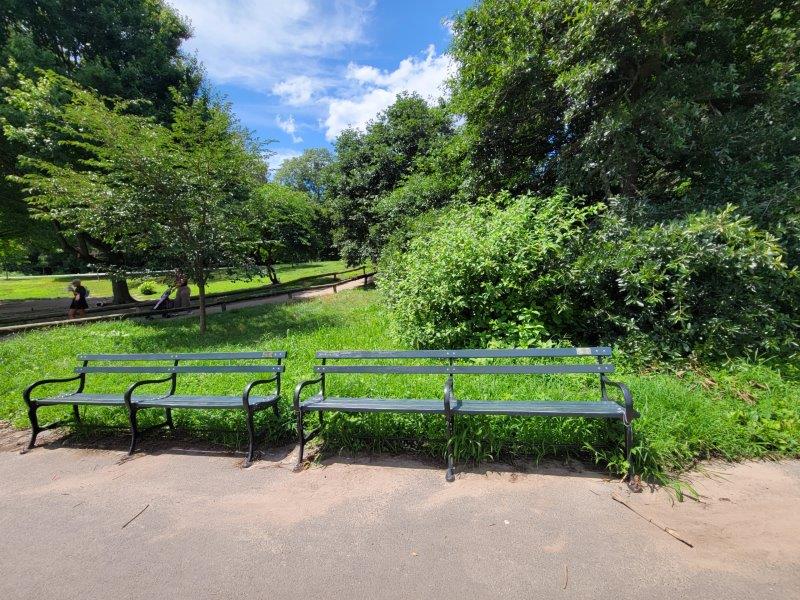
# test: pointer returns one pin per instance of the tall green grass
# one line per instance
(736, 412)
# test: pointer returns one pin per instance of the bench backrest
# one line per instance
(177, 358)
(451, 356)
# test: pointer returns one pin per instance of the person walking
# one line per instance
(79, 304)
(182, 293)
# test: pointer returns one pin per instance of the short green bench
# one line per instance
(451, 364)
(132, 363)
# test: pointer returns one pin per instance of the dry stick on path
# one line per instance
(664, 528)
(135, 516)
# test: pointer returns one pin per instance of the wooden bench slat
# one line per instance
(186, 369)
(467, 353)
(602, 408)
(184, 401)
(317, 403)
(89, 399)
(186, 356)
(465, 369)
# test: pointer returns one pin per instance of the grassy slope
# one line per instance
(722, 413)
(56, 286)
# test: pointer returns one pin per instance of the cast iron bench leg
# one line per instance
(275, 409)
(34, 424)
(300, 438)
(251, 435)
(629, 447)
(134, 430)
(170, 423)
(77, 413)
(450, 476)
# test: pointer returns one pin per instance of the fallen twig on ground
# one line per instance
(664, 528)
(135, 516)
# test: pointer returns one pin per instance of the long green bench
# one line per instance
(451, 364)
(132, 364)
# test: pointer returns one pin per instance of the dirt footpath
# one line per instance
(183, 520)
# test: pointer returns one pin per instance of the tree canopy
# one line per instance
(122, 48)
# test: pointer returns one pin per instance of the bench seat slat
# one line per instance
(317, 403)
(603, 408)
(180, 401)
(93, 399)
(466, 369)
(186, 356)
(468, 353)
(186, 369)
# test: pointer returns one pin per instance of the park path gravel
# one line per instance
(182, 519)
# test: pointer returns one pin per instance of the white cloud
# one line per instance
(253, 41)
(297, 90)
(375, 89)
(278, 156)
(290, 127)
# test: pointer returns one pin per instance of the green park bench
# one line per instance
(245, 401)
(449, 405)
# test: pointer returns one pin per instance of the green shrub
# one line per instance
(148, 287)
(483, 275)
(526, 270)
(710, 284)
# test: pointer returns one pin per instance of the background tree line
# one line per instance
(602, 171)
(114, 151)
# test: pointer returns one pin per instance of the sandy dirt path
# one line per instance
(363, 527)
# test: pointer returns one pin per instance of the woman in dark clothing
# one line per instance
(79, 303)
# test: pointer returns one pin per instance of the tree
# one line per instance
(307, 172)
(659, 108)
(159, 196)
(123, 48)
(371, 164)
(12, 253)
(286, 221)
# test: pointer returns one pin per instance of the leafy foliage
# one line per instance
(307, 172)
(169, 196)
(286, 220)
(483, 275)
(370, 165)
(122, 48)
(522, 271)
(148, 287)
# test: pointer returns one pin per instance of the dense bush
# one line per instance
(710, 284)
(147, 287)
(527, 270)
(483, 275)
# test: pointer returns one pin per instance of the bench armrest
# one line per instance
(630, 413)
(129, 391)
(26, 395)
(299, 389)
(448, 393)
(252, 384)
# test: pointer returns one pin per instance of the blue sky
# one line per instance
(300, 71)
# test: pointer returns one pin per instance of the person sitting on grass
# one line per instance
(182, 293)
(79, 304)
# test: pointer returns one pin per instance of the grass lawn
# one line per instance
(30, 288)
(740, 411)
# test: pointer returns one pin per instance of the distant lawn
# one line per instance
(56, 286)
(743, 411)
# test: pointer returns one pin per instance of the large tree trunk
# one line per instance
(202, 287)
(122, 294)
